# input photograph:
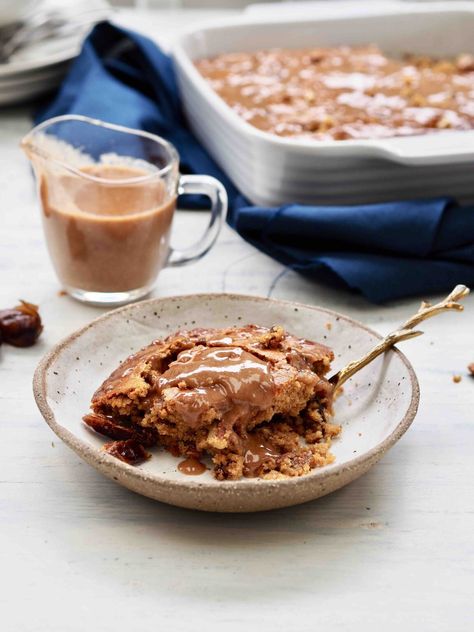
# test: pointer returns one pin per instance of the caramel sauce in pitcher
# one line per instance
(106, 235)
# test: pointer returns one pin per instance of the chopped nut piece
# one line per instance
(446, 67)
(418, 100)
(443, 123)
(273, 337)
(457, 379)
(465, 63)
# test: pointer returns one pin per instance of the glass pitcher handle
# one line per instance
(215, 191)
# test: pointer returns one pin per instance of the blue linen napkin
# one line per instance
(385, 251)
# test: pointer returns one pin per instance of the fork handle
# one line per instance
(356, 365)
(406, 332)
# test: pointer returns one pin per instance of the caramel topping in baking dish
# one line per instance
(344, 92)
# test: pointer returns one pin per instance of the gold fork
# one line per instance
(405, 332)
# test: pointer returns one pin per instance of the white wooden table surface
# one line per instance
(392, 551)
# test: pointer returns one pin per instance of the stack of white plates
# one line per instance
(40, 66)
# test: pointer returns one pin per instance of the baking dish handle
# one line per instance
(215, 191)
(437, 149)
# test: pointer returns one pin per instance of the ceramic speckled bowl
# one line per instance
(377, 406)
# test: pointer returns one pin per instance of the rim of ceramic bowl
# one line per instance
(91, 453)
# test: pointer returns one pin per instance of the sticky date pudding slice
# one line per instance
(253, 399)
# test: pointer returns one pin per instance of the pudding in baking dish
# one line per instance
(344, 92)
(253, 399)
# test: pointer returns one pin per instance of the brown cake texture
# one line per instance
(253, 399)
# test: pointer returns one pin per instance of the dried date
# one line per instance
(110, 428)
(129, 451)
(105, 426)
(20, 326)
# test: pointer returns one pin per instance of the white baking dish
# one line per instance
(272, 170)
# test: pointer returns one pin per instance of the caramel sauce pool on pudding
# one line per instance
(229, 378)
(256, 450)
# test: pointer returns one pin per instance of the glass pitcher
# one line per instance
(108, 196)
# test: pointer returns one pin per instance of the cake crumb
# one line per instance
(457, 379)
(328, 326)
(372, 525)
